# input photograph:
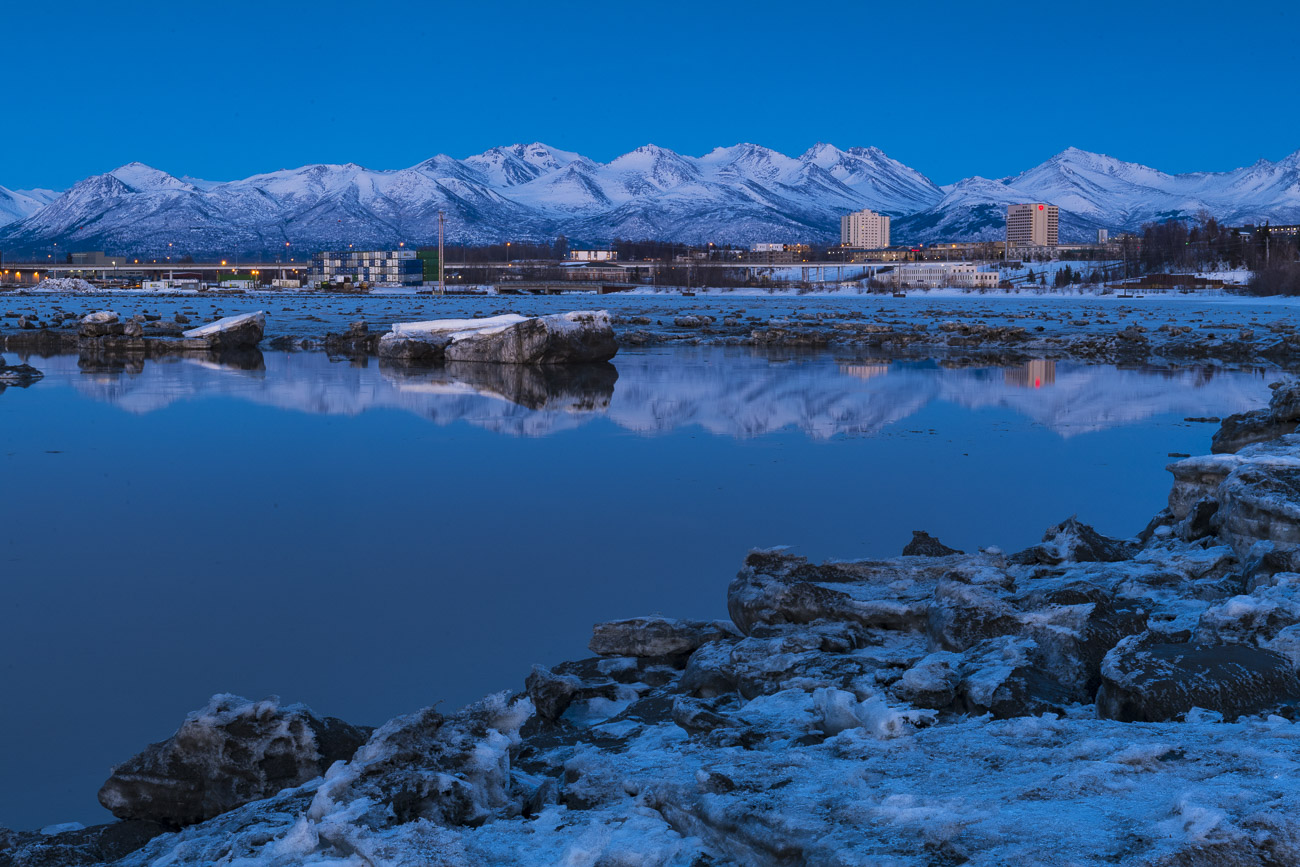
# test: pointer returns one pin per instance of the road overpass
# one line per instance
(109, 271)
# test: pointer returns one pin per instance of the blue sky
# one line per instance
(222, 91)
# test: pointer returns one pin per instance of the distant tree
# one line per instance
(1275, 278)
(1165, 245)
(561, 247)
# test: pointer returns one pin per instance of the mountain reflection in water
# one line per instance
(726, 392)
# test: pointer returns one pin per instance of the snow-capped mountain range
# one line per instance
(733, 195)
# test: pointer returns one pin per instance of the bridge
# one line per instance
(501, 273)
(108, 271)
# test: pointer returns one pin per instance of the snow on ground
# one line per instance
(64, 284)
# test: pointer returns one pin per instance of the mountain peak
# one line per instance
(143, 178)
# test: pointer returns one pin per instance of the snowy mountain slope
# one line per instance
(16, 205)
(738, 194)
(519, 164)
(889, 186)
(1117, 193)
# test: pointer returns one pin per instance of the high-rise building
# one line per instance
(864, 229)
(1033, 225)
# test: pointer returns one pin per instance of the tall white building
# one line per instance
(865, 229)
(1033, 225)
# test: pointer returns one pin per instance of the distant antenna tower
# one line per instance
(442, 281)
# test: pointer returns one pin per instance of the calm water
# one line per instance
(370, 541)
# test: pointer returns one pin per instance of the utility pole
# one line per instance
(442, 282)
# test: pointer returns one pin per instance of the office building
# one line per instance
(864, 229)
(1033, 225)
(376, 267)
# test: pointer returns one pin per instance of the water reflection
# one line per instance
(167, 536)
(1036, 373)
(724, 391)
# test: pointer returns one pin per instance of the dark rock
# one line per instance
(551, 693)
(698, 716)
(1072, 541)
(1199, 522)
(358, 340)
(132, 328)
(932, 682)
(232, 752)
(232, 332)
(756, 599)
(925, 545)
(1000, 677)
(1284, 405)
(963, 615)
(654, 636)
(99, 844)
(1163, 518)
(1159, 682)
(1073, 630)
(1260, 501)
(166, 329)
(101, 324)
(19, 375)
(413, 348)
(710, 672)
(1265, 560)
(449, 770)
(1247, 428)
(1197, 478)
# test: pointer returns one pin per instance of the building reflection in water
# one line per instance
(864, 371)
(1031, 374)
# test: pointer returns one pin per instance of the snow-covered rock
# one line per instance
(103, 323)
(1075, 542)
(564, 338)
(653, 636)
(20, 375)
(64, 285)
(231, 332)
(230, 753)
